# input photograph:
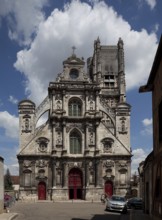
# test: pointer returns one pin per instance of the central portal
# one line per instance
(75, 184)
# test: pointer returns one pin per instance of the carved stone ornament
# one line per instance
(27, 163)
(123, 129)
(41, 163)
(122, 164)
(107, 144)
(58, 105)
(41, 175)
(26, 127)
(75, 125)
(108, 164)
(91, 165)
(59, 138)
(74, 164)
(43, 144)
(58, 97)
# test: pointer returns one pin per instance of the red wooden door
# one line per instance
(75, 184)
(42, 191)
(108, 188)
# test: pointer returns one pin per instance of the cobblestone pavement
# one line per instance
(68, 211)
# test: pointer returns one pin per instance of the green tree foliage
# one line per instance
(7, 181)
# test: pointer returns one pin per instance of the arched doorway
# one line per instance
(42, 191)
(75, 184)
(109, 188)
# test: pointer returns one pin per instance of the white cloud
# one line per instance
(13, 100)
(23, 18)
(9, 152)
(139, 155)
(13, 168)
(147, 121)
(1, 103)
(156, 27)
(80, 24)
(147, 130)
(151, 3)
(10, 124)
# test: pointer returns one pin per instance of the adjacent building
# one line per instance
(1, 185)
(153, 185)
(83, 150)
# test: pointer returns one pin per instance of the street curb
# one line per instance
(14, 215)
(8, 216)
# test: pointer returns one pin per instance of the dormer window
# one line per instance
(74, 73)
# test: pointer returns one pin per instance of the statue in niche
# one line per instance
(123, 125)
(91, 177)
(58, 97)
(123, 128)
(58, 138)
(58, 177)
(91, 105)
(26, 124)
(91, 172)
(58, 105)
(91, 138)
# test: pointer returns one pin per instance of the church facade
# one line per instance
(83, 150)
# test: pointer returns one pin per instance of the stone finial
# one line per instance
(120, 43)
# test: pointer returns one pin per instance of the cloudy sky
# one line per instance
(37, 35)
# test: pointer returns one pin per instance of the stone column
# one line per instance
(53, 137)
(64, 135)
(86, 100)
(21, 173)
(96, 136)
(53, 174)
(86, 136)
(1, 185)
(97, 101)
(63, 101)
(100, 179)
(87, 173)
(97, 176)
(64, 175)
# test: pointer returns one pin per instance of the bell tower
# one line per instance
(26, 121)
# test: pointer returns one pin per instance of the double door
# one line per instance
(75, 184)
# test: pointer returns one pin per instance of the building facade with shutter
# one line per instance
(153, 163)
(83, 150)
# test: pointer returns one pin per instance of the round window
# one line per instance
(74, 73)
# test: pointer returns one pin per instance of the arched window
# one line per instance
(75, 107)
(75, 143)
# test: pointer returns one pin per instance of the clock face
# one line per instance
(74, 73)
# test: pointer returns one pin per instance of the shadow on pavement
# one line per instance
(112, 216)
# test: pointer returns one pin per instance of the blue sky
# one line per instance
(37, 35)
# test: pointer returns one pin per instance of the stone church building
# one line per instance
(83, 150)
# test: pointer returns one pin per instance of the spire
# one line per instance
(98, 40)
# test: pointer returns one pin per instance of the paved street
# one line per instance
(68, 211)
